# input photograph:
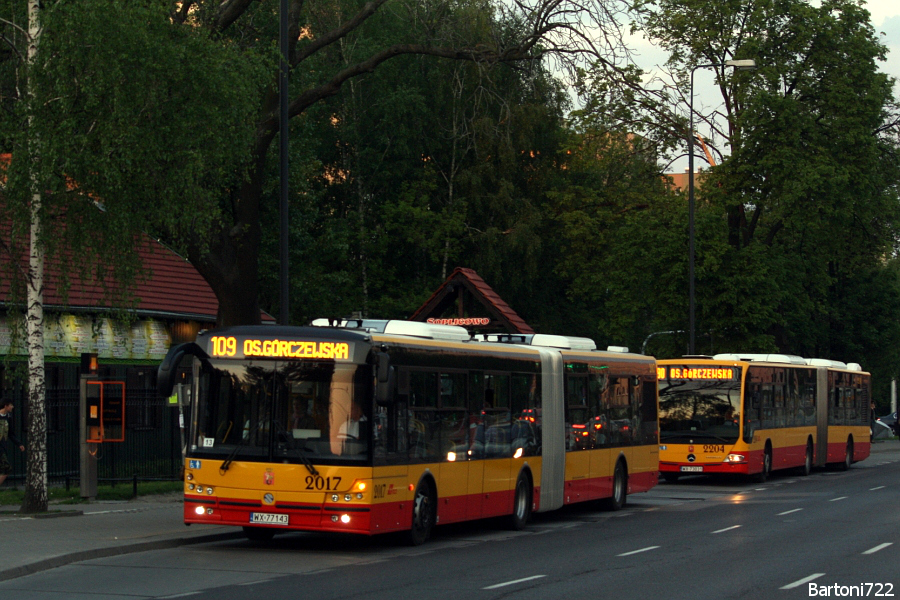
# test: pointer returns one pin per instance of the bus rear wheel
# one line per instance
(619, 489)
(424, 514)
(521, 503)
(848, 457)
(806, 469)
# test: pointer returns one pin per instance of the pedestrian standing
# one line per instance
(6, 432)
(872, 422)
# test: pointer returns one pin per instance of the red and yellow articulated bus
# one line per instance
(754, 413)
(381, 426)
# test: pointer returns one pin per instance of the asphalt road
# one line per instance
(701, 538)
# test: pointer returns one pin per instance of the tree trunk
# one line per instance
(231, 263)
(36, 469)
(36, 472)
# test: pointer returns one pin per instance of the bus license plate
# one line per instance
(268, 518)
(691, 469)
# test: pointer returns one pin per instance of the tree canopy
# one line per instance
(515, 139)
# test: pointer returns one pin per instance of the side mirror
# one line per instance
(384, 379)
(165, 375)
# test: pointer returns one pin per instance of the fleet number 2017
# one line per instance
(322, 483)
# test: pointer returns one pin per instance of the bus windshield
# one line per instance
(707, 410)
(264, 411)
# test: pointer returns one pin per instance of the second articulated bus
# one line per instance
(380, 426)
(751, 414)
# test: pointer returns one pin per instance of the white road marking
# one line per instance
(638, 551)
(726, 529)
(514, 582)
(787, 512)
(800, 582)
(878, 547)
(836, 499)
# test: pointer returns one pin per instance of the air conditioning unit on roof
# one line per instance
(776, 358)
(427, 330)
(825, 362)
(562, 341)
(396, 327)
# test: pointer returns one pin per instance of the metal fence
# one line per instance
(151, 450)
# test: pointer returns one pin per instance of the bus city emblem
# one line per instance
(269, 477)
(690, 448)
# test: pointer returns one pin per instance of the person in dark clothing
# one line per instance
(6, 432)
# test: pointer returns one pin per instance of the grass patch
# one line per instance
(122, 491)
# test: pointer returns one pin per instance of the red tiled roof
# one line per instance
(444, 298)
(169, 287)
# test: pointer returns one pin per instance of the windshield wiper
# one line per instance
(225, 465)
(300, 452)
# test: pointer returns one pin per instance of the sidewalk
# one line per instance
(72, 533)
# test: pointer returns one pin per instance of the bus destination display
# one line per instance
(697, 373)
(232, 347)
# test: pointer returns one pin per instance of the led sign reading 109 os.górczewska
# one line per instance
(697, 373)
(231, 347)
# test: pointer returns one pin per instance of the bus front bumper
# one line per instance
(212, 511)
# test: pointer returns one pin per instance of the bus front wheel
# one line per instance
(763, 475)
(424, 514)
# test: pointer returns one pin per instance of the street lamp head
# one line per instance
(746, 64)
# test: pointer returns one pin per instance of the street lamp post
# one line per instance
(284, 171)
(746, 64)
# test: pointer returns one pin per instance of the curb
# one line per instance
(66, 559)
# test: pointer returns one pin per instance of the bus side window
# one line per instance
(599, 407)
(497, 417)
(453, 418)
(525, 403)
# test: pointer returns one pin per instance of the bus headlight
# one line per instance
(199, 510)
(345, 519)
(735, 458)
